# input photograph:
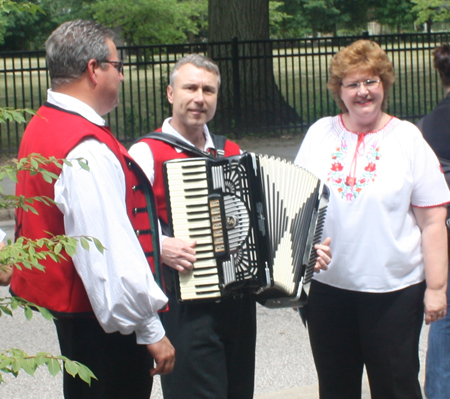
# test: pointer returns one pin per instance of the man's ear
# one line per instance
(170, 94)
(91, 70)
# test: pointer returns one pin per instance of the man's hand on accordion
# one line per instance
(178, 254)
(323, 251)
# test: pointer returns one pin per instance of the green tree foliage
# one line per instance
(8, 11)
(29, 31)
(342, 17)
(429, 11)
(309, 17)
(153, 21)
(396, 14)
(7, 6)
(276, 18)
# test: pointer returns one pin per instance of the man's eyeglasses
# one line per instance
(116, 64)
(368, 84)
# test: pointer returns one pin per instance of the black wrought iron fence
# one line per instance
(270, 88)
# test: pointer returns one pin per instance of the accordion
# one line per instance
(255, 219)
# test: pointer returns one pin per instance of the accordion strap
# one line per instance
(219, 144)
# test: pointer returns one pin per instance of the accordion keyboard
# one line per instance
(196, 217)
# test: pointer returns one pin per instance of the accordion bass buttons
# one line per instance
(217, 226)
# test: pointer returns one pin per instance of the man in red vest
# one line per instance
(215, 342)
(106, 304)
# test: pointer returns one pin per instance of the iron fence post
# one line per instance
(236, 85)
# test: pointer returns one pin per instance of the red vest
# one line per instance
(163, 152)
(55, 133)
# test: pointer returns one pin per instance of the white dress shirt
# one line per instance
(143, 155)
(119, 282)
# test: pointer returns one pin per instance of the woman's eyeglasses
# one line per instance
(368, 84)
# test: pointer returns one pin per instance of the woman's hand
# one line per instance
(435, 304)
(323, 251)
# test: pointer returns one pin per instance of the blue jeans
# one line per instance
(437, 382)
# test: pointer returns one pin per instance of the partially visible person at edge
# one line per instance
(215, 342)
(436, 129)
(106, 304)
(386, 216)
(5, 270)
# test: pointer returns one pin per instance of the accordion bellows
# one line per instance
(255, 218)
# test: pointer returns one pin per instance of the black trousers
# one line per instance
(215, 349)
(121, 366)
(350, 329)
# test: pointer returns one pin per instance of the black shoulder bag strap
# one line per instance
(219, 144)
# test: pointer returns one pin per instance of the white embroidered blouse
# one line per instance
(374, 179)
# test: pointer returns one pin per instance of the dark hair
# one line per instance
(362, 55)
(442, 63)
(70, 47)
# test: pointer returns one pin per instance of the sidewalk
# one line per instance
(311, 391)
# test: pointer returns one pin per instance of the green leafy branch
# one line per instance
(20, 201)
(28, 253)
(9, 304)
(14, 115)
(12, 361)
(9, 6)
(35, 164)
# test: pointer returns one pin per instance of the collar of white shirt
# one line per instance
(72, 104)
(168, 128)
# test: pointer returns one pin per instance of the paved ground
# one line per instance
(284, 365)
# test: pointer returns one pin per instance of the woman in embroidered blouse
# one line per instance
(386, 217)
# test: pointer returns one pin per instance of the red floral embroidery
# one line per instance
(370, 167)
(336, 167)
(350, 181)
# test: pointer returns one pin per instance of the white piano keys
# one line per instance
(191, 220)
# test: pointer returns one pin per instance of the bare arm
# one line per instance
(434, 245)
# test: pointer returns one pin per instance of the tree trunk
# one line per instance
(250, 100)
